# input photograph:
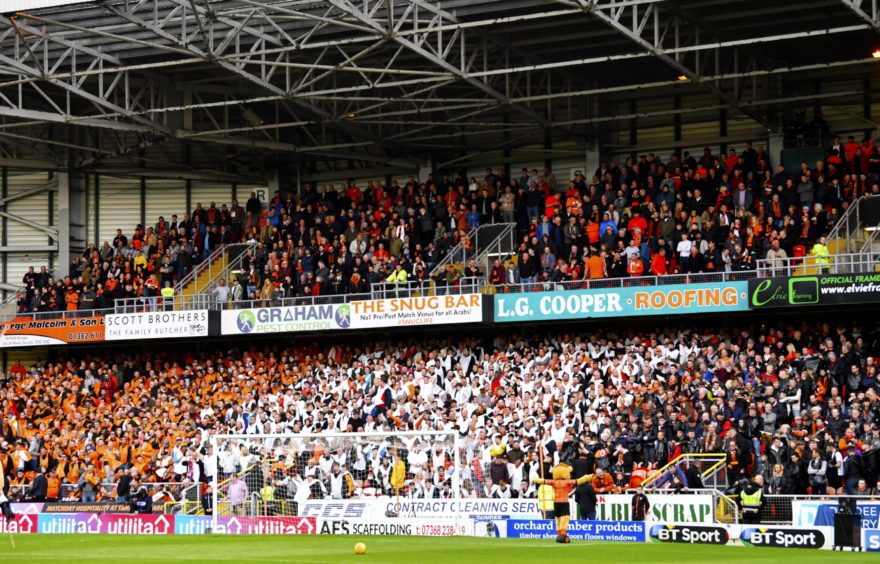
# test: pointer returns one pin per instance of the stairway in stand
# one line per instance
(198, 284)
(204, 279)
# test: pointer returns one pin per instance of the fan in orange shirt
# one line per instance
(635, 266)
(596, 266)
(659, 263)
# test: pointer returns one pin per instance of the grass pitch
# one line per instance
(70, 549)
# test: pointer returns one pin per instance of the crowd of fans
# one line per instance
(796, 404)
(712, 213)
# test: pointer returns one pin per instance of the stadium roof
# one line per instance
(253, 83)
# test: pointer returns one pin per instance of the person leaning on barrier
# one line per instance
(751, 497)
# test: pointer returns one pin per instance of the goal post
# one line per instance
(275, 483)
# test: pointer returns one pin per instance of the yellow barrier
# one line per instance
(718, 459)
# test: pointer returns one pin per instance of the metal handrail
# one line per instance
(158, 303)
(502, 247)
(415, 288)
(717, 459)
(848, 226)
(221, 254)
(12, 296)
(725, 507)
(231, 265)
(627, 282)
(197, 269)
(836, 264)
(64, 314)
(869, 242)
(847, 263)
(68, 489)
(296, 301)
(458, 254)
(470, 247)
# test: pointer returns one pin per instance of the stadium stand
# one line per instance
(686, 215)
(795, 403)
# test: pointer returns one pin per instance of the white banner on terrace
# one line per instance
(428, 310)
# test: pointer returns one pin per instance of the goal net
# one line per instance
(342, 483)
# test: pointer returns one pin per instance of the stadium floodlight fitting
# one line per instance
(682, 77)
(352, 114)
(251, 118)
(876, 54)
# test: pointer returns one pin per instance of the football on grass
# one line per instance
(360, 548)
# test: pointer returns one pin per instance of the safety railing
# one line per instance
(725, 508)
(479, 243)
(848, 263)
(797, 266)
(417, 288)
(872, 241)
(849, 228)
(159, 303)
(188, 502)
(496, 241)
(709, 464)
(801, 509)
(538, 285)
(222, 260)
(295, 301)
(12, 292)
(18, 492)
(106, 491)
(64, 314)
(459, 254)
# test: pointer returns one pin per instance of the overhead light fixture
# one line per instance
(876, 54)
(352, 114)
(682, 77)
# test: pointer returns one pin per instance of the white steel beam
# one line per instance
(872, 18)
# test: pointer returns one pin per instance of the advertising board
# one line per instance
(135, 524)
(828, 289)
(156, 325)
(871, 540)
(30, 332)
(414, 311)
(393, 526)
(807, 513)
(689, 534)
(784, 537)
(695, 508)
(23, 524)
(109, 524)
(673, 299)
(616, 531)
(288, 319)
